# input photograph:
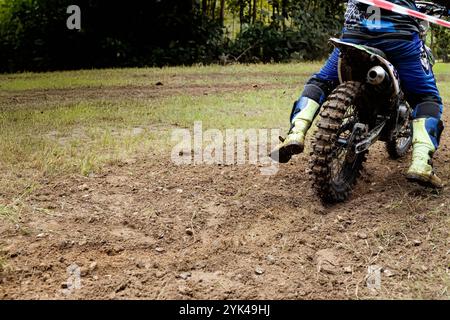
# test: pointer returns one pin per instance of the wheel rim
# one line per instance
(403, 143)
(405, 139)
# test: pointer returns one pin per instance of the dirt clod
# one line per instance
(327, 261)
(388, 273)
(259, 271)
(185, 290)
(270, 259)
(362, 235)
(184, 275)
(93, 266)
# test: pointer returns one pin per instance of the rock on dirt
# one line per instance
(348, 270)
(83, 187)
(185, 275)
(270, 259)
(259, 271)
(93, 266)
(362, 235)
(417, 243)
(388, 273)
(327, 261)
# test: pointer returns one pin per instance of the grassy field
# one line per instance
(45, 136)
(48, 136)
(75, 124)
(67, 122)
(146, 77)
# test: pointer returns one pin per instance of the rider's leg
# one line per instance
(423, 95)
(306, 108)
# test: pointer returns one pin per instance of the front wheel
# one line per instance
(335, 166)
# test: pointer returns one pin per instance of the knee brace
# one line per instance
(315, 89)
(428, 109)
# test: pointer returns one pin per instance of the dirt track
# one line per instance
(149, 229)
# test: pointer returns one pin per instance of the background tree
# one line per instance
(33, 33)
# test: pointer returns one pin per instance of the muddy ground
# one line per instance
(146, 228)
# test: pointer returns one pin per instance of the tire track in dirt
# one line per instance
(146, 228)
(13, 99)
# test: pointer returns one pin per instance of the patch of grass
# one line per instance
(11, 211)
(434, 285)
(7, 211)
(4, 266)
(3, 263)
(81, 137)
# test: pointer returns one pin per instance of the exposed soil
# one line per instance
(150, 229)
(10, 99)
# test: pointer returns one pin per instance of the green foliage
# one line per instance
(204, 45)
(304, 36)
(29, 34)
(260, 43)
(34, 36)
(312, 27)
(441, 45)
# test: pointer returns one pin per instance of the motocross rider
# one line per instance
(398, 36)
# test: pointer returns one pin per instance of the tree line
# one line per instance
(34, 36)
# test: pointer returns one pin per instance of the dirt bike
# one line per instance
(368, 106)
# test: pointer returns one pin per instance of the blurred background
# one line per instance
(34, 36)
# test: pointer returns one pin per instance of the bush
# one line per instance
(441, 46)
(306, 38)
(259, 43)
(34, 36)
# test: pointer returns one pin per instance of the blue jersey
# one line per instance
(365, 19)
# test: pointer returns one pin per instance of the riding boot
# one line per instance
(300, 124)
(421, 170)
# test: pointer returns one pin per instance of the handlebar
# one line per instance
(432, 9)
